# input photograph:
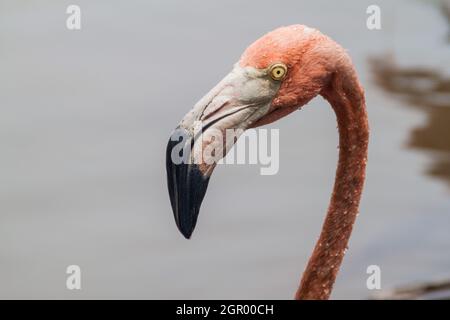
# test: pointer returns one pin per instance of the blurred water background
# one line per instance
(84, 121)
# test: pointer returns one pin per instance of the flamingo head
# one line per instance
(275, 76)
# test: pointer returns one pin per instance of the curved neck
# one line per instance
(347, 99)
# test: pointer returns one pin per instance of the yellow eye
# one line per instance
(278, 71)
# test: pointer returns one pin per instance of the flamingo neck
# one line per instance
(346, 97)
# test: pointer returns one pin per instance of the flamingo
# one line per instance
(276, 75)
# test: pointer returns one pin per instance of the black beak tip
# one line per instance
(186, 183)
(187, 233)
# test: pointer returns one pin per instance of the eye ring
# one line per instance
(278, 71)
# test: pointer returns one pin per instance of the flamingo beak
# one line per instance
(242, 98)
